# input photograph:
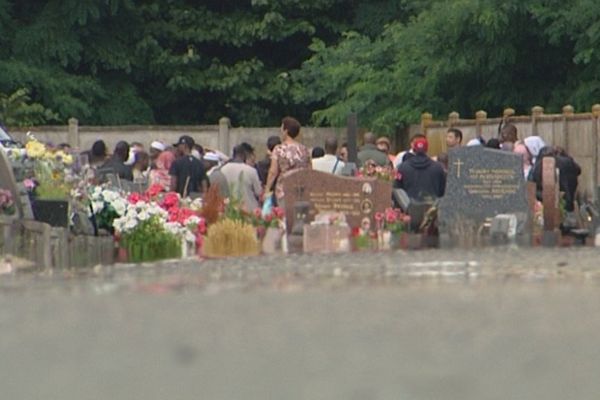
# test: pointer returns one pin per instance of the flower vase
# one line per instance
(384, 240)
(271, 242)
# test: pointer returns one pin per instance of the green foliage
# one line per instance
(16, 109)
(459, 55)
(179, 61)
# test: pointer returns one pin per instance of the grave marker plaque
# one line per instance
(481, 184)
(357, 198)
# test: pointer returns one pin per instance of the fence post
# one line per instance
(453, 118)
(480, 117)
(224, 125)
(567, 112)
(73, 135)
(508, 112)
(536, 112)
(426, 119)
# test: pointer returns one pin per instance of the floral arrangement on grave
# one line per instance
(370, 169)
(106, 206)
(53, 177)
(390, 224)
(143, 232)
(392, 220)
(273, 220)
(173, 219)
(363, 238)
(7, 204)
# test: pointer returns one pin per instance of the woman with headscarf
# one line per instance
(160, 174)
(534, 144)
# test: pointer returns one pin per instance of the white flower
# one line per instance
(130, 223)
(120, 206)
(109, 195)
(97, 206)
(192, 220)
(143, 215)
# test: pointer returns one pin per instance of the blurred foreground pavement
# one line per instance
(487, 324)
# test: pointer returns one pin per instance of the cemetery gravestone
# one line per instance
(482, 183)
(550, 198)
(358, 198)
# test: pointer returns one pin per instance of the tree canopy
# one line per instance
(177, 62)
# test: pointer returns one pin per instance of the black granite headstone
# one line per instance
(482, 183)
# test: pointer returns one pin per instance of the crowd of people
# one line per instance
(188, 169)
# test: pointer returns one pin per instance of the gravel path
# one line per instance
(490, 324)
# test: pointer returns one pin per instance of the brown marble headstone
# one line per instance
(357, 198)
(550, 191)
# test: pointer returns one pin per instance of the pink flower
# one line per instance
(378, 216)
(390, 216)
(257, 212)
(268, 218)
(279, 213)
(29, 184)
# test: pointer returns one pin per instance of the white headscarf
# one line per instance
(534, 144)
(474, 142)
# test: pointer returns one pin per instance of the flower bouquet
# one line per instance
(371, 170)
(143, 232)
(390, 225)
(52, 183)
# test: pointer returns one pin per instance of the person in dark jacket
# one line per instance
(420, 176)
(568, 169)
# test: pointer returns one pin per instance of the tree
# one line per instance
(461, 55)
(16, 109)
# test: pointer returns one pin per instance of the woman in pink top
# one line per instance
(287, 156)
(160, 174)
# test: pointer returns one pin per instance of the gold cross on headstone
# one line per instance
(458, 164)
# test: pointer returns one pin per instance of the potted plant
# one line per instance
(392, 225)
(53, 182)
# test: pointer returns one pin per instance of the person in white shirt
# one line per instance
(329, 162)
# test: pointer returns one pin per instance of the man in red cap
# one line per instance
(420, 176)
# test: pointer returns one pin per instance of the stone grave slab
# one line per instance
(358, 198)
(481, 184)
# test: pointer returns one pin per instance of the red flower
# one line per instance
(202, 226)
(268, 218)
(155, 189)
(257, 212)
(135, 198)
(170, 200)
(355, 231)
